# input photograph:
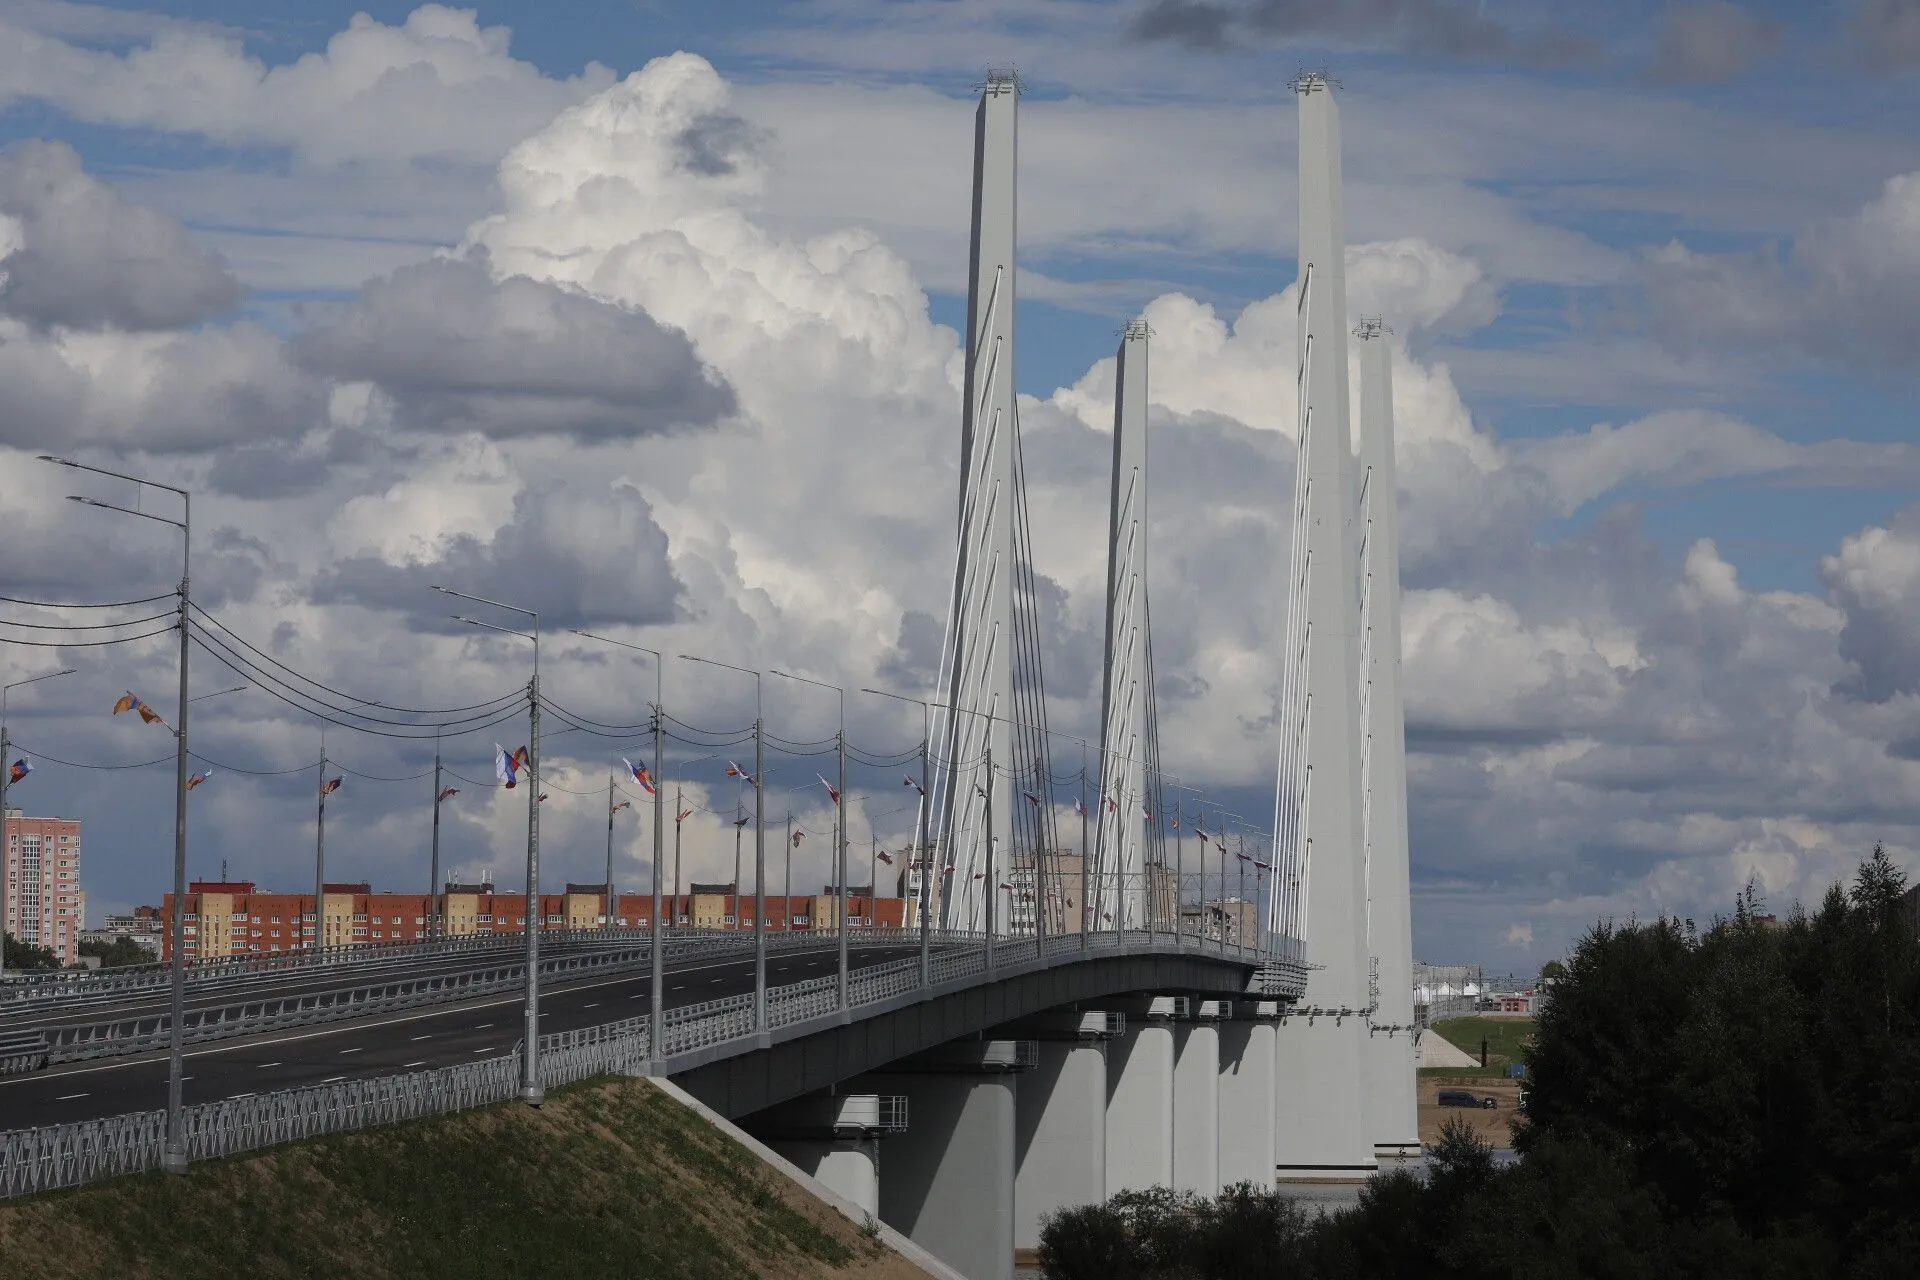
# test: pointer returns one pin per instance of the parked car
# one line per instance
(1462, 1098)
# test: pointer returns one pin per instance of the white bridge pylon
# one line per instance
(993, 793)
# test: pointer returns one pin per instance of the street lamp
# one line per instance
(839, 821)
(6, 749)
(531, 1091)
(657, 1023)
(174, 1154)
(759, 847)
(925, 849)
(1180, 866)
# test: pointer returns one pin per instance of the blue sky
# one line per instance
(1648, 263)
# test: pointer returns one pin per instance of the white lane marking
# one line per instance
(488, 1049)
(482, 1027)
(356, 1049)
(332, 1079)
(638, 995)
(235, 1097)
(71, 1096)
(716, 980)
(411, 1065)
(427, 1036)
(264, 1065)
(594, 1005)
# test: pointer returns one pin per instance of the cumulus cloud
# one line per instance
(1430, 28)
(577, 556)
(438, 85)
(1875, 580)
(1710, 41)
(1848, 289)
(73, 253)
(457, 349)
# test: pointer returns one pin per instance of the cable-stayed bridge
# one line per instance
(1048, 1024)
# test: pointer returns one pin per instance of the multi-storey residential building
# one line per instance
(234, 918)
(40, 858)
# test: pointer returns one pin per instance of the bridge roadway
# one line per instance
(79, 1009)
(439, 1036)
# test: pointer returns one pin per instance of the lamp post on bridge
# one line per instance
(839, 821)
(1180, 866)
(759, 845)
(922, 843)
(656, 1024)
(173, 1156)
(531, 1091)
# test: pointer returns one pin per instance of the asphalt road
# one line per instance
(244, 989)
(385, 1045)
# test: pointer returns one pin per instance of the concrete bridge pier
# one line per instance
(949, 1179)
(1196, 1097)
(1140, 1064)
(1060, 1125)
(1246, 1083)
(835, 1138)
(1320, 1120)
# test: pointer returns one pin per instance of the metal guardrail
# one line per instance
(54, 1156)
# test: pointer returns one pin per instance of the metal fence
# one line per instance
(67, 1155)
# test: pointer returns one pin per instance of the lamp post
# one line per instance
(1180, 866)
(657, 985)
(531, 1091)
(759, 847)
(840, 820)
(6, 749)
(922, 845)
(174, 1154)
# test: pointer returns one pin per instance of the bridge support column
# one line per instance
(1247, 1094)
(835, 1138)
(1061, 1124)
(1196, 1099)
(1140, 1065)
(1320, 1129)
(949, 1180)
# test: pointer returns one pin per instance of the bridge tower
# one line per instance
(1130, 820)
(993, 794)
(1390, 1065)
(1319, 897)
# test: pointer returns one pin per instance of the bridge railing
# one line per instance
(53, 1156)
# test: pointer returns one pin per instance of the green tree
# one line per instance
(25, 956)
(118, 953)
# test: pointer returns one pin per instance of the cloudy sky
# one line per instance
(642, 315)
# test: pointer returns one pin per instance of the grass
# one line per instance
(1506, 1038)
(1464, 1074)
(610, 1178)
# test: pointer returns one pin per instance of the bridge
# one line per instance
(1039, 1036)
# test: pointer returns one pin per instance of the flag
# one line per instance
(798, 836)
(1113, 806)
(1080, 806)
(979, 875)
(886, 857)
(624, 804)
(1176, 822)
(1146, 813)
(916, 786)
(198, 778)
(330, 786)
(1243, 857)
(507, 767)
(640, 775)
(982, 790)
(735, 771)
(19, 769)
(742, 820)
(1032, 799)
(1264, 866)
(1201, 832)
(541, 798)
(1006, 886)
(128, 702)
(833, 792)
(683, 815)
(447, 794)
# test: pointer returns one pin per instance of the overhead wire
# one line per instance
(115, 604)
(87, 626)
(85, 644)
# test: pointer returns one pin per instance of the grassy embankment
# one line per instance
(611, 1178)
(1506, 1043)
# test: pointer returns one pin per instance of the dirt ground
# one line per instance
(1491, 1125)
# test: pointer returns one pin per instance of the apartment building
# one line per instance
(46, 907)
(235, 918)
